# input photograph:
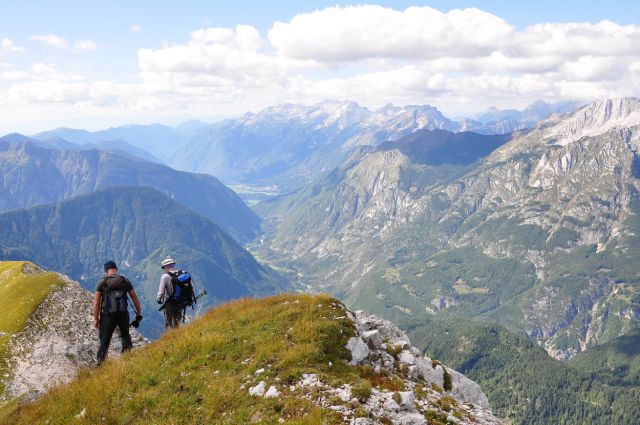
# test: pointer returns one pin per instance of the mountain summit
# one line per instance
(593, 119)
(286, 359)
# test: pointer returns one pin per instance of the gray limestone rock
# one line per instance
(370, 347)
(359, 350)
(58, 340)
(373, 338)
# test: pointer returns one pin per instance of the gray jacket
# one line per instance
(165, 290)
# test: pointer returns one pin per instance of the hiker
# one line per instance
(110, 309)
(176, 292)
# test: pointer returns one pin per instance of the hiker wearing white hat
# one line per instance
(165, 291)
(176, 292)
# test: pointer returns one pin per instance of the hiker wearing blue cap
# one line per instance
(110, 309)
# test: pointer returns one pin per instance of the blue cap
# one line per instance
(110, 265)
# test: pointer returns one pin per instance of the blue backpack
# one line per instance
(183, 294)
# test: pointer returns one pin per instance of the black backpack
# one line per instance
(114, 300)
(182, 288)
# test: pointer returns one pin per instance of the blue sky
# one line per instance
(74, 63)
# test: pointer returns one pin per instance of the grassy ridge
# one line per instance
(201, 373)
(20, 295)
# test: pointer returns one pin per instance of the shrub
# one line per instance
(361, 390)
(436, 418)
(394, 350)
(447, 403)
(396, 397)
(436, 387)
(446, 381)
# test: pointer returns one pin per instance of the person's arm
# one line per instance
(96, 309)
(162, 290)
(136, 302)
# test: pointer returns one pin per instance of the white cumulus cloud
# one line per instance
(7, 45)
(358, 32)
(51, 40)
(85, 45)
(463, 61)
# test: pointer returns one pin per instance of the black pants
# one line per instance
(108, 323)
(172, 315)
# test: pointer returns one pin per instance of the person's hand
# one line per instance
(159, 300)
(138, 317)
(96, 323)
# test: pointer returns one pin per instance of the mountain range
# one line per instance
(538, 234)
(156, 139)
(514, 233)
(137, 227)
(33, 175)
(282, 147)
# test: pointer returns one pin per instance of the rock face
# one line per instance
(58, 340)
(390, 349)
(431, 390)
(400, 386)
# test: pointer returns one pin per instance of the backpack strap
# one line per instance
(103, 284)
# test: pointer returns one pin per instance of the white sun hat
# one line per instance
(167, 261)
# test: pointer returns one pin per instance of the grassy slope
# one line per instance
(195, 374)
(20, 295)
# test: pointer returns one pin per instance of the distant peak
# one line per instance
(16, 138)
(593, 119)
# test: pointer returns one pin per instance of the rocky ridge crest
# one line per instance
(58, 340)
(416, 390)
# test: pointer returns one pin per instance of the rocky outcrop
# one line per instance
(383, 346)
(592, 120)
(58, 340)
(398, 384)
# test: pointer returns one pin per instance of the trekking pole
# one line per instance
(202, 294)
(164, 305)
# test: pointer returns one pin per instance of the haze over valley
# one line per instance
(390, 215)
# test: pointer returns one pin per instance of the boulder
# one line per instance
(359, 350)
(373, 338)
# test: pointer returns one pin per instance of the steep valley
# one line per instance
(539, 235)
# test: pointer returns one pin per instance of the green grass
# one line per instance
(20, 295)
(196, 374)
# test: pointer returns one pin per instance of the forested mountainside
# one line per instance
(34, 175)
